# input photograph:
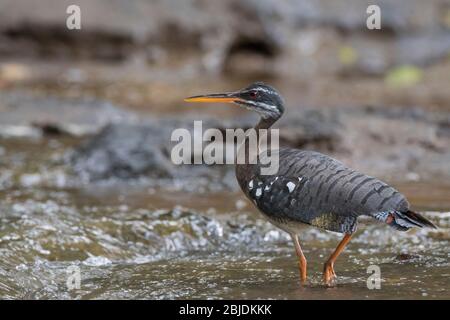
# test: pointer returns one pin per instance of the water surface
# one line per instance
(138, 241)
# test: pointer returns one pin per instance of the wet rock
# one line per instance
(123, 151)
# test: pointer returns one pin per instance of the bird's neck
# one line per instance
(264, 123)
(244, 171)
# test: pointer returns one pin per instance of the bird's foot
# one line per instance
(303, 279)
(329, 276)
(302, 270)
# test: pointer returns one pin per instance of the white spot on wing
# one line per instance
(258, 192)
(291, 186)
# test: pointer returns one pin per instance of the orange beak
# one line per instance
(216, 97)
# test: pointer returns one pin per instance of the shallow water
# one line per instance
(137, 241)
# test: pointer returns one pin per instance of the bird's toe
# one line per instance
(329, 276)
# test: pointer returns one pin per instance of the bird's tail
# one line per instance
(404, 221)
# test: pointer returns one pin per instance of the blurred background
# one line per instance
(86, 117)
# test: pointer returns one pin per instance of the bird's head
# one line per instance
(258, 97)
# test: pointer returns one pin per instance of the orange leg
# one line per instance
(328, 270)
(301, 259)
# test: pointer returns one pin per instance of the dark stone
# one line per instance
(406, 257)
(123, 151)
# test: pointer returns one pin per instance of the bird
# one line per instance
(311, 188)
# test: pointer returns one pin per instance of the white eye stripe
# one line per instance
(262, 104)
(263, 90)
(259, 89)
(264, 109)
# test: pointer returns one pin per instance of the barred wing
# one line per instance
(318, 190)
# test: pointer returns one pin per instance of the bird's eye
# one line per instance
(253, 94)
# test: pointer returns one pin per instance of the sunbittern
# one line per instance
(312, 188)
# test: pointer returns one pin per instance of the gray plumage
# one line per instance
(318, 190)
